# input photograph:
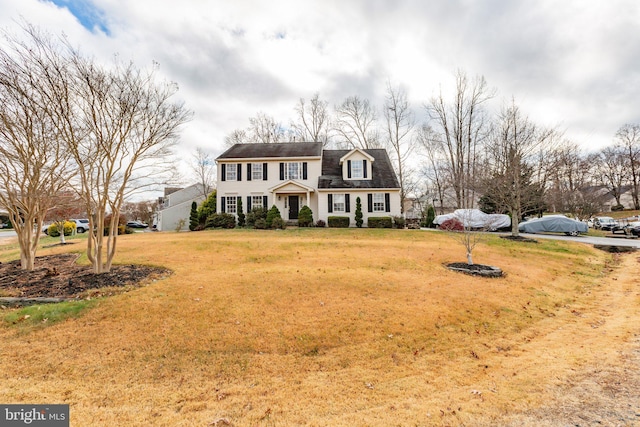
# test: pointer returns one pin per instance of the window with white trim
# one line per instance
(231, 172)
(293, 170)
(231, 205)
(357, 169)
(338, 203)
(256, 202)
(378, 202)
(256, 171)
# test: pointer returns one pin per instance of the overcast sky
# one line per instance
(574, 64)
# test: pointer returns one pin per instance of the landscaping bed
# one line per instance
(60, 277)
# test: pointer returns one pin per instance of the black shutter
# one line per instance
(239, 172)
(281, 171)
(223, 205)
(347, 203)
(387, 202)
(330, 203)
(348, 168)
(264, 171)
(304, 170)
(369, 202)
(248, 204)
(248, 171)
(264, 201)
(364, 168)
(223, 174)
(238, 202)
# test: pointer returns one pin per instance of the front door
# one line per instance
(293, 207)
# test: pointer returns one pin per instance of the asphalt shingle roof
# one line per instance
(382, 175)
(286, 149)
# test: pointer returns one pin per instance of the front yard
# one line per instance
(337, 327)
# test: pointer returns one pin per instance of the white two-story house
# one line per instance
(292, 175)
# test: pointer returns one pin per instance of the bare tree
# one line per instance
(462, 128)
(34, 165)
(313, 121)
(512, 151)
(570, 183)
(435, 168)
(356, 124)
(118, 124)
(131, 126)
(400, 123)
(611, 170)
(629, 141)
(265, 129)
(204, 168)
(237, 136)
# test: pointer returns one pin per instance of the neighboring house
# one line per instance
(176, 206)
(292, 175)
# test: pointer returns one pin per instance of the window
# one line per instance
(293, 170)
(256, 171)
(231, 172)
(231, 204)
(357, 169)
(378, 202)
(256, 202)
(338, 203)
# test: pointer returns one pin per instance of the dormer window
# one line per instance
(357, 169)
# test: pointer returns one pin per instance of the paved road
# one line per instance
(5, 234)
(619, 240)
(608, 241)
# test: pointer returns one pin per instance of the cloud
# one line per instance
(574, 64)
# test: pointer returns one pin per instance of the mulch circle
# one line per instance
(58, 276)
(475, 269)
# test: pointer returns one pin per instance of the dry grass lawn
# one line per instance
(338, 327)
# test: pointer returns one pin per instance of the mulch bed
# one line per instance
(475, 269)
(58, 276)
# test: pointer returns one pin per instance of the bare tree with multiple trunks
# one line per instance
(34, 163)
(117, 124)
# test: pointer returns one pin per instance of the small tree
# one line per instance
(305, 217)
(193, 217)
(461, 230)
(273, 213)
(359, 220)
(430, 217)
(207, 208)
(241, 216)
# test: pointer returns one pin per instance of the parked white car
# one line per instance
(475, 219)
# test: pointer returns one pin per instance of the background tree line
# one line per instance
(458, 151)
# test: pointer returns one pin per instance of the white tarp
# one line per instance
(476, 219)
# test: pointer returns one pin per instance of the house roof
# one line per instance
(259, 151)
(382, 173)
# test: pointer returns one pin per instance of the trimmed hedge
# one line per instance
(380, 222)
(221, 220)
(338, 221)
